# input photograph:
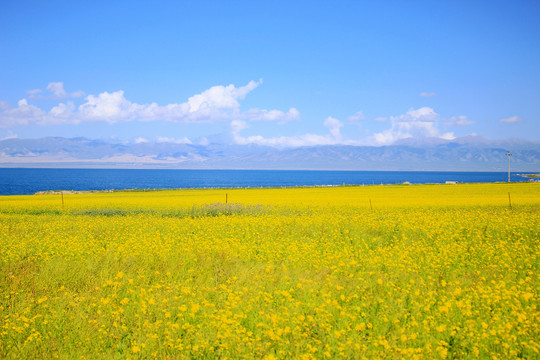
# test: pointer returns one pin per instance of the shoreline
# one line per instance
(72, 192)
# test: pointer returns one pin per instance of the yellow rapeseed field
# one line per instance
(421, 271)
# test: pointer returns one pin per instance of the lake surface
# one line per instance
(29, 181)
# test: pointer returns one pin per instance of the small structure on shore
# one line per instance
(451, 182)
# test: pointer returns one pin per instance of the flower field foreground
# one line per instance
(423, 271)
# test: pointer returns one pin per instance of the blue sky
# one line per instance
(280, 73)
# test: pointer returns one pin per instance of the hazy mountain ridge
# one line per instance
(467, 154)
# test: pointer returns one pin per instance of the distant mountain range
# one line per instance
(462, 154)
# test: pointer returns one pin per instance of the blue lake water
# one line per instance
(28, 181)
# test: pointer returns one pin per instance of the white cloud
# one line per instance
(511, 120)
(357, 117)
(57, 92)
(222, 104)
(33, 93)
(62, 113)
(448, 136)
(415, 123)
(417, 129)
(23, 114)
(77, 94)
(333, 138)
(427, 94)
(164, 139)
(334, 125)
(109, 107)
(238, 125)
(287, 141)
(220, 97)
(272, 115)
(217, 104)
(386, 137)
(421, 122)
(458, 121)
(141, 140)
(424, 114)
(57, 88)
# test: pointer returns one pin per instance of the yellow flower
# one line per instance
(443, 309)
(441, 328)
(443, 352)
(360, 327)
(124, 301)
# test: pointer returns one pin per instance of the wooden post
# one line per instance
(509, 201)
(226, 198)
(371, 206)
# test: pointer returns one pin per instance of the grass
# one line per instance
(430, 272)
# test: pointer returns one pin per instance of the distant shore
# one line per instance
(532, 176)
(406, 183)
(67, 192)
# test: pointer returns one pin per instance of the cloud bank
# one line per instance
(511, 120)
(222, 104)
(216, 104)
(422, 122)
(333, 138)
